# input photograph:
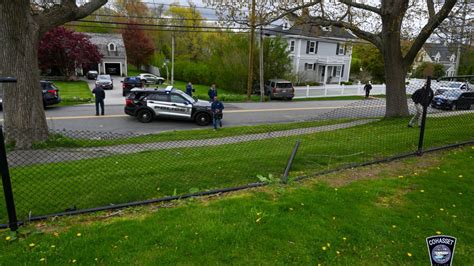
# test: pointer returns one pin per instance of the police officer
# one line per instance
(422, 98)
(216, 108)
(99, 93)
(367, 89)
(189, 89)
(212, 92)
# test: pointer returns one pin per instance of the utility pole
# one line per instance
(251, 44)
(262, 92)
(172, 59)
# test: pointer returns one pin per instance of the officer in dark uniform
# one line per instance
(99, 93)
(217, 107)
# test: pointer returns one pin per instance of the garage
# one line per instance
(113, 68)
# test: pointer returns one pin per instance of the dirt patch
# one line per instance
(407, 167)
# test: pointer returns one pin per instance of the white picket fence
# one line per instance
(334, 90)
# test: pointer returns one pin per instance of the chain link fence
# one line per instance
(78, 171)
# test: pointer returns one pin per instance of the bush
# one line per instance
(346, 83)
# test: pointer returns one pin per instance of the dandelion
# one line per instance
(409, 254)
(441, 209)
(418, 216)
(460, 176)
(126, 237)
(324, 248)
(334, 218)
(415, 173)
(394, 226)
(32, 245)
(454, 205)
(422, 191)
(53, 246)
(8, 238)
(259, 213)
(400, 176)
(258, 220)
(78, 234)
(438, 232)
(444, 172)
(344, 238)
(335, 189)
(42, 259)
(460, 193)
(56, 234)
(454, 216)
(291, 209)
(74, 261)
(328, 244)
(302, 204)
(337, 252)
(96, 259)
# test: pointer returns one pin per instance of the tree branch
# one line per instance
(361, 6)
(431, 10)
(65, 12)
(425, 33)
(290, 11)
(370, 37)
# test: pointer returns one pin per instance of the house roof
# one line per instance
(312, 31)
(102, 40)
(432, 49)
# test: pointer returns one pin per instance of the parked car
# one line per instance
(455, 85)
(151, 79)
(279, 88)
(453, 100)
(105, 81)
(148, 104)
(50, 94)
(129, 83)
(92, 74)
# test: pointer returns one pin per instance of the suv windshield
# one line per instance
(451, 93)
(185, 96)
(104, 77)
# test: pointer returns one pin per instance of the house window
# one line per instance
(292, 46)
(340, 50)
(337, 71)
(112, 47)
(285, 26)
(311, 47)
(308, 66)
(437, 57)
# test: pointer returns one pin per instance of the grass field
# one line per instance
(120, 178)
(74, 92)
(377, 215)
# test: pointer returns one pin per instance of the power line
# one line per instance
(148, 29)
(161, 25)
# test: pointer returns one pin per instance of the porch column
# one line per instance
(325, 78)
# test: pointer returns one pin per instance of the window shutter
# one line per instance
(316, 49)
(345, 49)
(337, 49)
(342, 71)
(307, 47)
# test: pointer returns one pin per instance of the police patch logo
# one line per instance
(441, 249)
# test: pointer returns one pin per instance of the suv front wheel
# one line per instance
(144, 116)
(203, 119)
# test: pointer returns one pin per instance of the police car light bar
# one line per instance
(169, 88)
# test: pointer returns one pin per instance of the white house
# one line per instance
(319, 54)
(438, 53)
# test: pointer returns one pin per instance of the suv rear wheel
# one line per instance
(203, 119)
(144, 116)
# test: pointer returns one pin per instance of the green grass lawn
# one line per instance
(48, 188)
(378, 215)
(74, 92)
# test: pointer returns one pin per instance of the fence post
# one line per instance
(423, 117)
(7, 185)
(307, 91)
(284, 178)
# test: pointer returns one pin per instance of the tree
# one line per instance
(369, 58)
(384, 25)
(65, 50)
(22, 24)
(139, 46)
(426, 69)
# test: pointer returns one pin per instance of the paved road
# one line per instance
(82, 117)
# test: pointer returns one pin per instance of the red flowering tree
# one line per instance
(139, 46)
(64, 50)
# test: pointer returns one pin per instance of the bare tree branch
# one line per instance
(290, 11)
(370, 37)
(361, 6)
(67, 11)
(431, 10)
(425, 33)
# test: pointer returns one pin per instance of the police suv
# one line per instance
(148, 103)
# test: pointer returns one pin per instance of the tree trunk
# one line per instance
(24, 117)
(395, 71)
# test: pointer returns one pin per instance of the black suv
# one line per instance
(453, 99)
(147, 104)
(50, 94)
(129, 83)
